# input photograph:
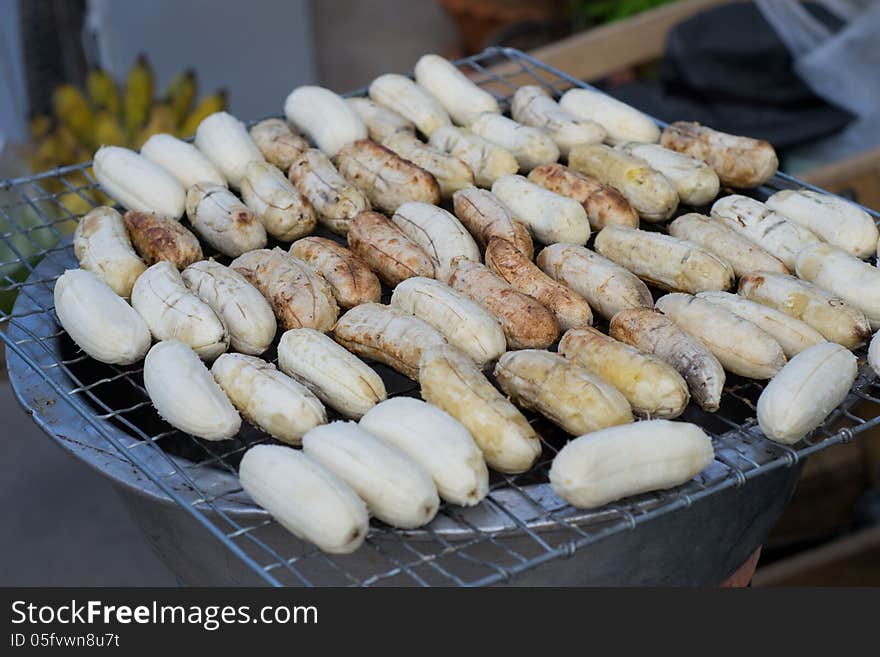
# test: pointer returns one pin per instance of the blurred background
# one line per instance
(79, 73)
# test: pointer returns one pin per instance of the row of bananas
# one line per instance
(106, 113)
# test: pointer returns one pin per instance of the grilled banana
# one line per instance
(285, 214)
(245, 312)
(526, 322)
(268, 399)
(351, 280)
(172, 312)
(664, 261)
(386, 249)
(738, 161)
(603, 204)
(533, 106)
(487, 218)
(463, 322)
(223, 221)
(531, 147)
(98, 320)
(335, 200)
(226, 142)
(451, 173)
(550, 217)
(843, 275)
(380, 121)
(488, 161)
(606, 286)
(384, 177)
(439, 233)
(565, 393)
(102, 246)
(569, 307)
(338, 378)
(648, 191)
(653, 388)
(158, 238)
(792, 334)
(758, 223)
(451, 381)
(716, 237)
(830, 218)
(657, 335)
(695, 181)
(739, 345)
(402, 95)
(387, 335)
(621, 122)
(458, 95)
(298, 296)
(831, 316)
(280, 145)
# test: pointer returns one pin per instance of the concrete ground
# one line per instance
(63, 525)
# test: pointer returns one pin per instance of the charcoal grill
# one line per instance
(185, 495)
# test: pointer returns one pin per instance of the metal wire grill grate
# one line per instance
(521, 524)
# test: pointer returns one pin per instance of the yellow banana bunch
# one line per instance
(138, 96)
(180, 94)
(108, 130)
(161, 121)
(73, 111)
(103, 92)
(216, 102)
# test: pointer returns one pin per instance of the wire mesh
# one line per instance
(521, 524)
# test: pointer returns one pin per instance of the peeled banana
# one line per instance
(805, 392)
(222, 220)
(533, 106)
(245, 312)
(464, 323)
(439, 233)
(226, 142)
(267, 398)
(399, 93)
(530, 146)
(614, 463)
(185, 394)
(305, 497)
(324, 117)
(99, 321)
(337, 377)
(285, 214)
(102, 245)
(172, 312)
(621, 122)
(280, 145)
(550, 217)
(451, 381)
(437, 442)
(458, 95)
(138, 184)
(397, 490)
(182, 160)
(488, 161)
